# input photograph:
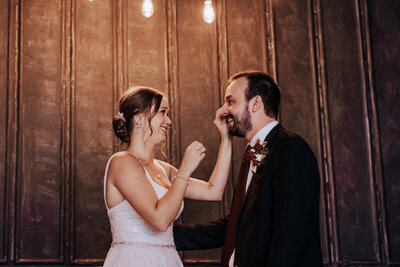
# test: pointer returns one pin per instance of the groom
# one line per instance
(274, 218)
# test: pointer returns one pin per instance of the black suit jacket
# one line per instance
(279, 220)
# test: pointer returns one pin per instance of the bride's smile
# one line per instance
(161, 122)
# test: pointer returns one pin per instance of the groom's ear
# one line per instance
(256, 103)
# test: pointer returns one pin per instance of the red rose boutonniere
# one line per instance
(256, 154)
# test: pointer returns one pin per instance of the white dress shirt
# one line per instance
(261, 134)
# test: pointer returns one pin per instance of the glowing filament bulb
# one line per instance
(147, 8)
(208, 13)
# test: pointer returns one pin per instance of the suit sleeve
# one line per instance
(296, 202)
(200, 236)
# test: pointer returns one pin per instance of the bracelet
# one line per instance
(177, 176)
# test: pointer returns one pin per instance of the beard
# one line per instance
(240, 128)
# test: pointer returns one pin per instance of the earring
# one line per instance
(139, 125)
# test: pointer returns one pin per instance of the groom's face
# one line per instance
(236, 109)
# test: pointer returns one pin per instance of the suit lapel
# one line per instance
(258, 175)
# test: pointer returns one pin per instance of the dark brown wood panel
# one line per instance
(384, 18)
(199, 99)
(3, 122)
(349, 132)
(147, 44)
(245, 24)
(246, 35)
(299, 109)
(39, 176)
(299, 103)
(92, 127)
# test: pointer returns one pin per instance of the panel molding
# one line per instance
(120, 62)
(366, 84)
(270, 39)
(19, 179)
(324, 234)
(328, 173)
(5, 11)
(19, 135)
(72, 129)
(173, 142)
(223, 75)
(374, 149)
(12, 127)
(66, 101)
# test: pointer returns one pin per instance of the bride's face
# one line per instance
(161, 122)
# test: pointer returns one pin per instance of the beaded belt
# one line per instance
(141, 244)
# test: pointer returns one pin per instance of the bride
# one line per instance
(144, 196)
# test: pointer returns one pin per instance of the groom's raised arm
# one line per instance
(200, 236)
(296, 205)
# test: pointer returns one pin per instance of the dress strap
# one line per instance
(106, 173)
(105, 178)
(147, 173)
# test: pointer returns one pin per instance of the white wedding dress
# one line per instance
(135, 242)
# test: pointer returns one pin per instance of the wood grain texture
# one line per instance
(386, 68)
(349, 132)
(4, 18)
(39, 188)
(199, 100)
(12, 127)
(92, 128)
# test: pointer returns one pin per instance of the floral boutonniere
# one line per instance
(256, 154)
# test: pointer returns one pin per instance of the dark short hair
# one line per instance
(136, 100)
(260, 83)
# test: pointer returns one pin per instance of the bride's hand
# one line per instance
(220, 123)
(194, 154)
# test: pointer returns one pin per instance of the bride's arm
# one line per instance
(129, 177)
(214, 188)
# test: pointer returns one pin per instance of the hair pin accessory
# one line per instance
(121, 116)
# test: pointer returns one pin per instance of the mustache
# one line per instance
(229, 116)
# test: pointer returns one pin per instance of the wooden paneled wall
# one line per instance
(65, 63)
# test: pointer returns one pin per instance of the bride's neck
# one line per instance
(143, 150)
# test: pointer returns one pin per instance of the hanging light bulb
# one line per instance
(208, 13)
(147, 8)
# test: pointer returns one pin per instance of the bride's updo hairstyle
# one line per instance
(136, 100)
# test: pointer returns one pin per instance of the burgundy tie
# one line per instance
(230, 235)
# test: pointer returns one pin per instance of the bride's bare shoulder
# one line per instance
(124, 161)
